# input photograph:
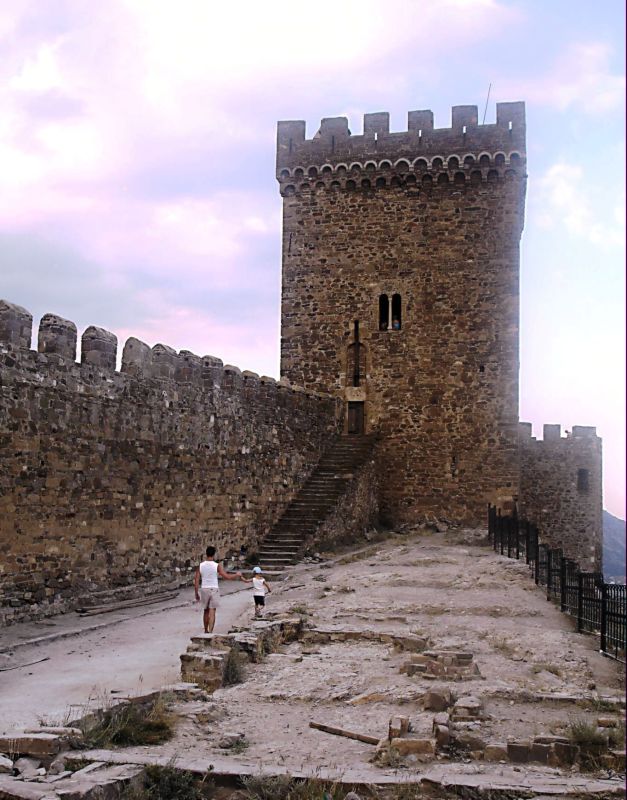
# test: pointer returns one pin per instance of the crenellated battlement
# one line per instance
(466, 152)
(58, 337)
(552, 433)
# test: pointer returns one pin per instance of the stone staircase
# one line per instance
(285, 543)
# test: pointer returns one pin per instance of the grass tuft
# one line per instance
(591, 741)
(128, 724)
(169, 783)
(283, 787)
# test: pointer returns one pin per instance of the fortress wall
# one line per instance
(107, 478)
(561, 490)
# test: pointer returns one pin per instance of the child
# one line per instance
(260, 587)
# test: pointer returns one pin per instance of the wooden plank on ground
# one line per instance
(361, 737)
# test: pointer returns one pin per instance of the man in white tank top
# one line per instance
(206, 587)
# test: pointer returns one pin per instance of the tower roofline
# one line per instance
(334, 143)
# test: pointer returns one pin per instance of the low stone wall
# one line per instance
(110, 478)
(356, 511)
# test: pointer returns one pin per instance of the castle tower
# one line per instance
(401, 294)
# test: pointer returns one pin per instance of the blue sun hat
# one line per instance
(257, 570)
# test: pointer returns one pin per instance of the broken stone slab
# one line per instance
(30, 744)
(470, 741)
(539, 752)
(607, 722)
(495, 752)
(467, 708)
(106, 782)
(54, 778)
(410, 642)
(518, 752)
(442, 735)
(15, 789)
(437, 699)
(503, 781)
(441, 719)
(406, 747)
(61, 730)
(203, 669)
(550, 739)
(563, 755)
(229, 740)
(399, 726)
(28, 768)
(79, 773)
(366, 697)
(6, 764)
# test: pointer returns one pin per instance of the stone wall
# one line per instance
(107, 478)
(561, 490)
(356, 512)
(434, 216)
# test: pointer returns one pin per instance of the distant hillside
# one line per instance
(613, 545)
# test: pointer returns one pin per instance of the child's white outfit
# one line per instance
(259, 594)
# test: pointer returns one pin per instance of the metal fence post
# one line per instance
(579, 602)
(563, 584)
(500, 521)
(536, 572)
(527, 542)
(516, 526)
(603, 617)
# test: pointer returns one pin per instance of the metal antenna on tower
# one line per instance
(487, 100)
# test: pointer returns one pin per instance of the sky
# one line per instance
(137, 147)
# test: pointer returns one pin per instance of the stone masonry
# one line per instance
(561, 490)
(415, 237)
(111, 477)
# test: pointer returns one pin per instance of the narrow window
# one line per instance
(583, 480)
(396, 312)
(384, 312)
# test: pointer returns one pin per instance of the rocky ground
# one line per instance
(496, 657)
(448, 588)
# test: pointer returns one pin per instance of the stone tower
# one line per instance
(401, 294)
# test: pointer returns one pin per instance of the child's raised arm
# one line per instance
(267, 585)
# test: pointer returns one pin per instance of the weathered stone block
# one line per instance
(539, 752)
(495, 752)
(408, 746)
(16, 325)
(437, 699)
(57, 336)
(442, 735)
(39, 745)
(518, 752)
(566, 754)
(399, 726)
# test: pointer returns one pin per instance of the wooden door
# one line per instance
(356, 417)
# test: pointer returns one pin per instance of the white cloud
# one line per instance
(581, 77)
(566, 197)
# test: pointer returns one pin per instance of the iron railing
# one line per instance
(599, 608)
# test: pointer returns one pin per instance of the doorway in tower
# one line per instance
(355, 417)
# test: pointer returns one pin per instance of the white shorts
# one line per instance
(210, 598)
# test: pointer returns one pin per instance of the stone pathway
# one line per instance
(91, 660)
